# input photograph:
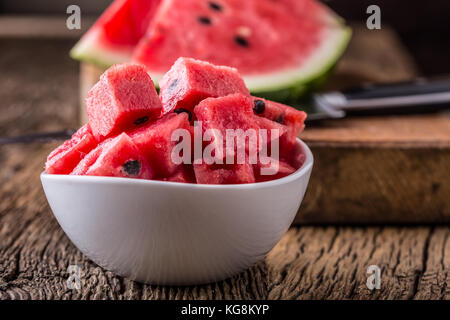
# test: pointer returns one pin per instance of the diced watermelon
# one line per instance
(189, 81)
(120, 157)
(294, 155)
(279, 169)
(64, 158)
(124, 98)
(279, 112)
(183, 174)
(224, 174)
(235, 112)
(292, 118)
(154, 140)
(88, 161)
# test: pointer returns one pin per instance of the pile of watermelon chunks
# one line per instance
(129, 133)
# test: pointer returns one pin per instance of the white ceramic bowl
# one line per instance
(175, 233)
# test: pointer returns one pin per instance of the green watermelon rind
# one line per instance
(299, 85)
(90, 51)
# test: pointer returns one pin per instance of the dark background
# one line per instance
(423, 26)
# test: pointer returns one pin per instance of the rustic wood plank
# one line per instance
(413, 131)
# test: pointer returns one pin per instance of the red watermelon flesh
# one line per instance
(254, 36)
(183, 174)
(224, 174)
(125, 97)
(234, 112)
(293, 119)
(189, 81)
(88, 161)
(115, 34)
(64, 158)
(120, 157)
(280, 169)
(154, 140)
(294, 155)
(307, 9)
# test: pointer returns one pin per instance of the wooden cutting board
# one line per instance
(392, 169)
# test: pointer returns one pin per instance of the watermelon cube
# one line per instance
(117, 157)
(292, 118)
(154, 140)
(279, 112)
(184, 173)
(88, 161)
(224, 174)
(235, 112)
(64, 158)
(276, 169)
(189, 81)
(125, 97)
(294, 155)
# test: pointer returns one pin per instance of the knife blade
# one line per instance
(420, 95)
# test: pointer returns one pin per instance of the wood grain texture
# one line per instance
(309, 262)
(39, 92)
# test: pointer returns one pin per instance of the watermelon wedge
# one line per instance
(114, 36)
(283, 48)
(274, 47)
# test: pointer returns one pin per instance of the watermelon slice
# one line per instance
(189, 81)
(114, 36)
(234, 112)
(118, 157)
(125, 97)
(154, 140)
(64, 158)
(276, 47)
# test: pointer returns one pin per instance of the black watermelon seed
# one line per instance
(173, 84)
(132, 167)
(181, 110)
(241, 41)
(141, 120)
(204, 20)
(259, 106)
(280, 119)
(215, 6)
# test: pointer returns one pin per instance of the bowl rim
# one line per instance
(307, 165)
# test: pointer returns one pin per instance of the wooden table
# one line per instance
(38, 91)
